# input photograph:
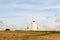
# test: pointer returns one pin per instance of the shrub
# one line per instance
(7, 30)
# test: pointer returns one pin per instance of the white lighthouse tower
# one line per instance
(34, 25)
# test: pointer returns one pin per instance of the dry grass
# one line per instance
(29, 35)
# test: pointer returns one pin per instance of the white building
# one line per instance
(34, 25)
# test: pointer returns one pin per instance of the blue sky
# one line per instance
(21, 12)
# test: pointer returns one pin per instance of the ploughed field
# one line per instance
(29, 35)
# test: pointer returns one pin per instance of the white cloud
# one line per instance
(32, 6)
(23, 6)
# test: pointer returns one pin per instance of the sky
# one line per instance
(20, 13)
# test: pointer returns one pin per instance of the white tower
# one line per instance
(34, 25)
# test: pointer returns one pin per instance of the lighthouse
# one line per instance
(34, 25)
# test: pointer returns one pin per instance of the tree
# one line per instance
(7, 30)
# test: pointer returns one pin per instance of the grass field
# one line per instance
(29, 35)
